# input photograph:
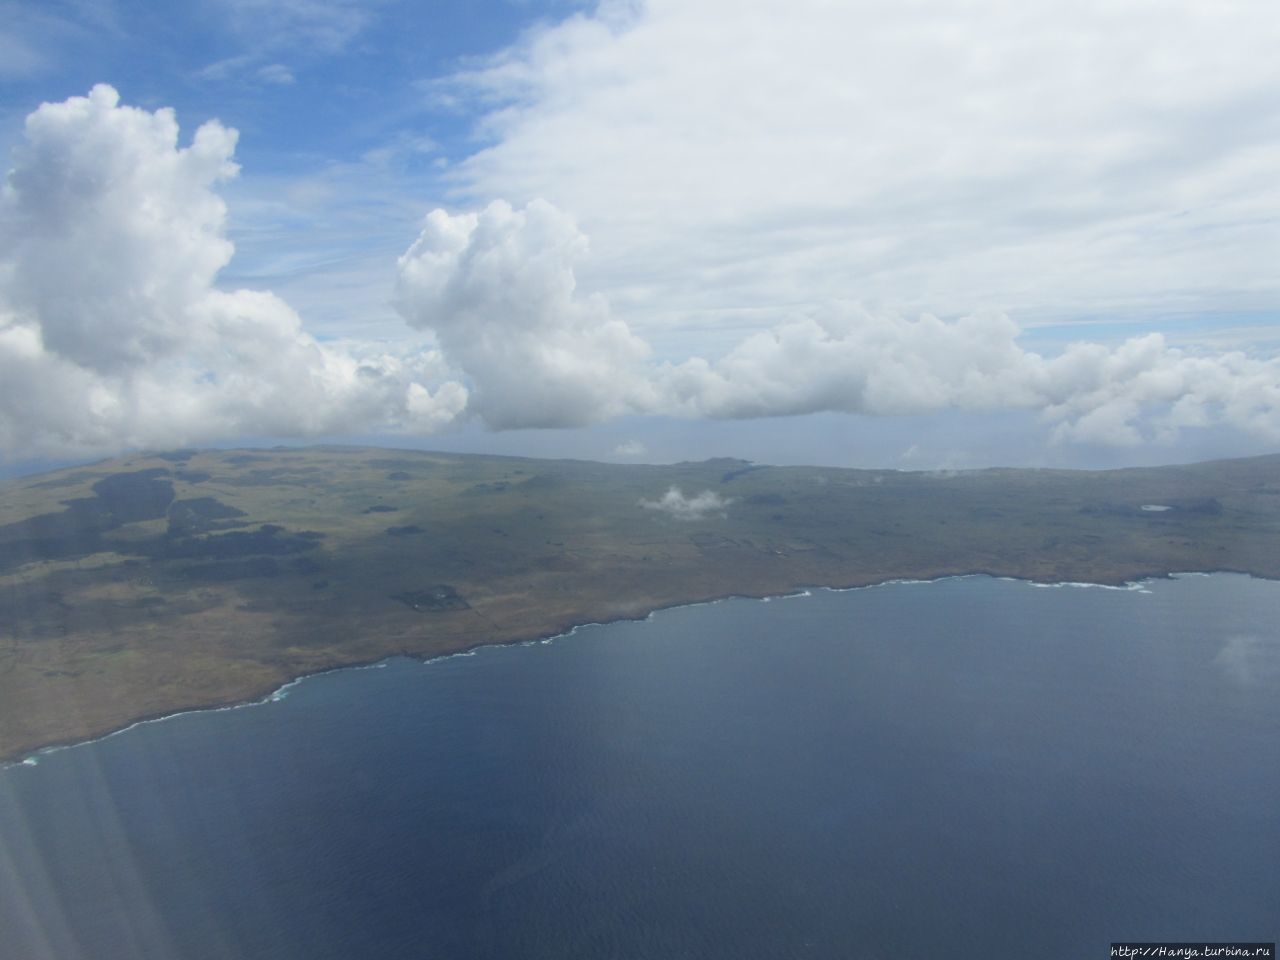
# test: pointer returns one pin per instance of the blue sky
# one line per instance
(302, 80)
(326, 97)
(923, 235)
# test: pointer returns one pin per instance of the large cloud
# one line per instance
(112, 332)
(735, 158)
(497, 288)
(848, 359)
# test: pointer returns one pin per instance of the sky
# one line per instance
(913, 234)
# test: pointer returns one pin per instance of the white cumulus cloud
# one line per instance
(737, 157)
(112, 332)
(277, 73)
(498, 289)
(706, 504)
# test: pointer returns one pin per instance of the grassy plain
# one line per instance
(155, 583)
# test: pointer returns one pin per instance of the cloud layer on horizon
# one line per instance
(114, 332)
(498, 287)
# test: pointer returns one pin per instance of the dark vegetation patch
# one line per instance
(306, 565)
(433, 599)
(175, 456)
(201, 515)
(78, 530)
(731, 475)
(244, 459)
(192, 476)
(128, 497)
(399, 475)
(403, 531)
(50, 536)
(249, 568)
(381, 508)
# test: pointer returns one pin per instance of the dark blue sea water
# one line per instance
(968, 768)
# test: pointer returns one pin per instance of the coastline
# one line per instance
(28, 757)
(213, 579)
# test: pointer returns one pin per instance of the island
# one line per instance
(156, 583)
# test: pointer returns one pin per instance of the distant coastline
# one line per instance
(135, 589)
(254, 699)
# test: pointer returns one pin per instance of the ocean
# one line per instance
(964, 768)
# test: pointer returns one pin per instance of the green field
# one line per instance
(142, 586)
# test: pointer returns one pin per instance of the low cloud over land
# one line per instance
(700, 506)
